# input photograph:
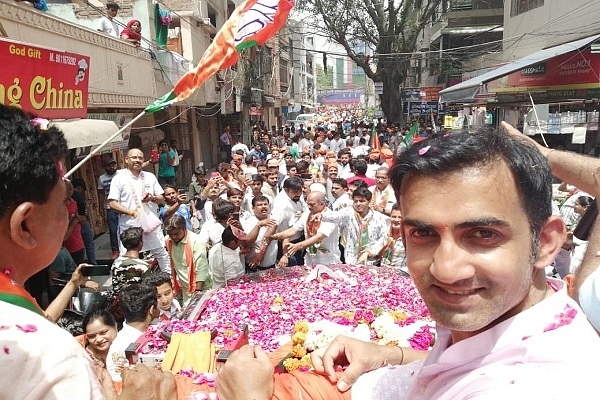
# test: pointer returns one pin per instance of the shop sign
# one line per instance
(423, 107)
(424, 93)
(573, 94)
(573, 70)
(50, 83)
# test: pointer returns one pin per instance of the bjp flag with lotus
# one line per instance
(252, 23)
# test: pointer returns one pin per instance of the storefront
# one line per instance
(562, 82)
(53, 84)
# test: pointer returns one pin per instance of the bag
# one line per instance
(145, 219)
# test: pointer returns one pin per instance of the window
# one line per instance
(520, 6)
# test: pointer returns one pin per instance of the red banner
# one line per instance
(50, 83)
(576, 69)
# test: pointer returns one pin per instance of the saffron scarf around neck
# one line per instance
(12, 293)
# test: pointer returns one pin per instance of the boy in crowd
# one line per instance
(167, 303)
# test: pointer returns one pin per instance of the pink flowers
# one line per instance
(27, 328)
(564, 318)
(271, 304)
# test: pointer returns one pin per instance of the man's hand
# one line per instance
(143, 383)
(283, 261)
(292, 248)
(267, 222)
(511, 130)
(259, 256)
(234, 382)
(364, 257)
(314, 217)
(358, 356)
(148, 198)
(182, 198)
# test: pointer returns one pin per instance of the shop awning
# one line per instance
(467, 90)
(86, 132)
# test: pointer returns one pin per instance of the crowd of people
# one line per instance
(473, 226)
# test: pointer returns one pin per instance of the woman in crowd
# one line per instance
(133, 32)
(100, 328)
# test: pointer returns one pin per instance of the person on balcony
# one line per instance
(133, 33)
(107, 23)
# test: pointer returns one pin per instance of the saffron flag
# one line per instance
(411, 134)
(252, 23)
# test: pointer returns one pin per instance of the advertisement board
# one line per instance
(573, 70)
(49, 83)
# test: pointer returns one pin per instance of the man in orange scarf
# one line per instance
(189, 263)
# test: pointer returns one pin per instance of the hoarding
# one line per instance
(49, 83)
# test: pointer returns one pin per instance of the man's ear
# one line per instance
(21, 224)
(552, 236)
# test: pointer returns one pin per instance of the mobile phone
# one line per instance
(95, 270)
(247, 176)
(586, 223)
(154, 155)
(236, 216)
(223, 355)
(214, 175)
(181, 191)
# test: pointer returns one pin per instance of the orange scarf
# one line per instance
(14, 294)
(189, 259)
(384, 198)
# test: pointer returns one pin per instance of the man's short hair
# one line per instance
(174, 222)
(79, 183)
(293, 183)
(447, 154)
(302, 166)
(258, 198)
(112, 6)
(249, 159)
(131, 237)
(290, 165)
(222, 209)
(234, 191)
(362, 192)
(359, 183)
(258, 178)
(135, 301)
(360, 166)
(340, 181)
(158, 279)
(228, 236)
(30, 170)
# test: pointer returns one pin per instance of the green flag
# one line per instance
(411, 133)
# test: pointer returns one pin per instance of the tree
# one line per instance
(390, 28)
(324, 79)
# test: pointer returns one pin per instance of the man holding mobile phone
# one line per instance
(175, 203)
(166, 164)
(133, 191)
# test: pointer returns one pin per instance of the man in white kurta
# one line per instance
(133, 191)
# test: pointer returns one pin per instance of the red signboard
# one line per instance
(576, 69)
(49, 83)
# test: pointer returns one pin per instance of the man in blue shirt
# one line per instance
(176, 203)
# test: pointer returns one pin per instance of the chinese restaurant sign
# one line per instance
(49, 83)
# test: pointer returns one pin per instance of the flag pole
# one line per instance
(537, 120)
(100, 146)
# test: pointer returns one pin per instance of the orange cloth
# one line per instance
(287, 385)
(189, 259)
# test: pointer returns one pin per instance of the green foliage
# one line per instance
(324, 79)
